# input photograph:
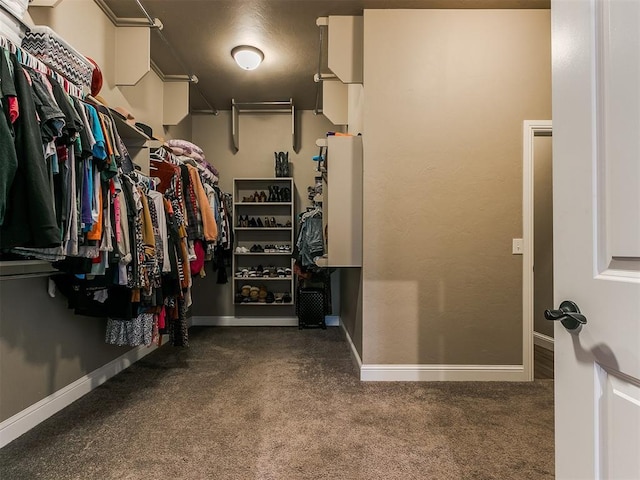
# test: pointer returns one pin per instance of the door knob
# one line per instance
(568, 314)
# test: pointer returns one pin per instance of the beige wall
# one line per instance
(86, 28)
(260, 136)
(442, 180)
(43, 345)
(542, 234)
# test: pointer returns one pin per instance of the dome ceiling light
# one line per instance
(247, 57)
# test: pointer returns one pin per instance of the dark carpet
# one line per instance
(283, 403)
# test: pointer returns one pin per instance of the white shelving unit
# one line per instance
(250, 237)
(342, 202)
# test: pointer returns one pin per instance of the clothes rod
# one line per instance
(239, 104)
(265, 110)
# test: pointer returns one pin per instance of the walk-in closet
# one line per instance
(271, 239)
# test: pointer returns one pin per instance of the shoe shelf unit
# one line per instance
(263, 211)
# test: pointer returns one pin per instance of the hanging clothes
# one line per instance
(122, 241)
(30, 219)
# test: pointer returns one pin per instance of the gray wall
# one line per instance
(443, 180)
(543, 235)
(351, 304)
(43, 345)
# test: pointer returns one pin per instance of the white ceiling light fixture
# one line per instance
(247, 57)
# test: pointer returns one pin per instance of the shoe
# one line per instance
(286, 298)
(253, 294)
(262, 294)
(286, 194)
(276, 193)
(245, 221)
(287, 272)
(252, 222)
(258, 222)
(246, 289)
(272, 194)
(267, 222)
(262, 197)
(280, 272)
(278, 297)
(254, 248)
(256, 196)
(272, 222)
(277, 164)
(242, 250)
(270, 298)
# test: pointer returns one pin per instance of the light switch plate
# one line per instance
(517, 246)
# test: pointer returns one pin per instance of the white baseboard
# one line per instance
(355, 356)
(543, 341)
(231, 321)
(23, 421)
(445, 373)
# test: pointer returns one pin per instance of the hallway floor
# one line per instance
(283, 403)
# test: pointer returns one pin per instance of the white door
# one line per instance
(596, 176)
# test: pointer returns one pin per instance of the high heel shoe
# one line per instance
(259, 222)
(262, 197)
(272, 196)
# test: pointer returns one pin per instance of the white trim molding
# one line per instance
(23, 421)
(231, 321)
(543, 341)
(355, 356)
(530, 130)
(442, 373)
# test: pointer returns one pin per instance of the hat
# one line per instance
(146, 129)
(125, 115)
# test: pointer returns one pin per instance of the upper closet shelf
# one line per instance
(262, 107)
(129, 133)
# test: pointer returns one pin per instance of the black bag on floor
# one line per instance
(311, 307)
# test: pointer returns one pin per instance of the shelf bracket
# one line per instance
(262, 107)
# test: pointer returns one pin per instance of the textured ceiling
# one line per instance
(201, 34)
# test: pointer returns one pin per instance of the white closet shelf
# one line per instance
(263, 253)
(261, 279)
(264, 304)
(286, 204)
(263, 228)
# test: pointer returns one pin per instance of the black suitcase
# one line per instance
(311, 307)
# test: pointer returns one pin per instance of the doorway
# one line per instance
(538, 246)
